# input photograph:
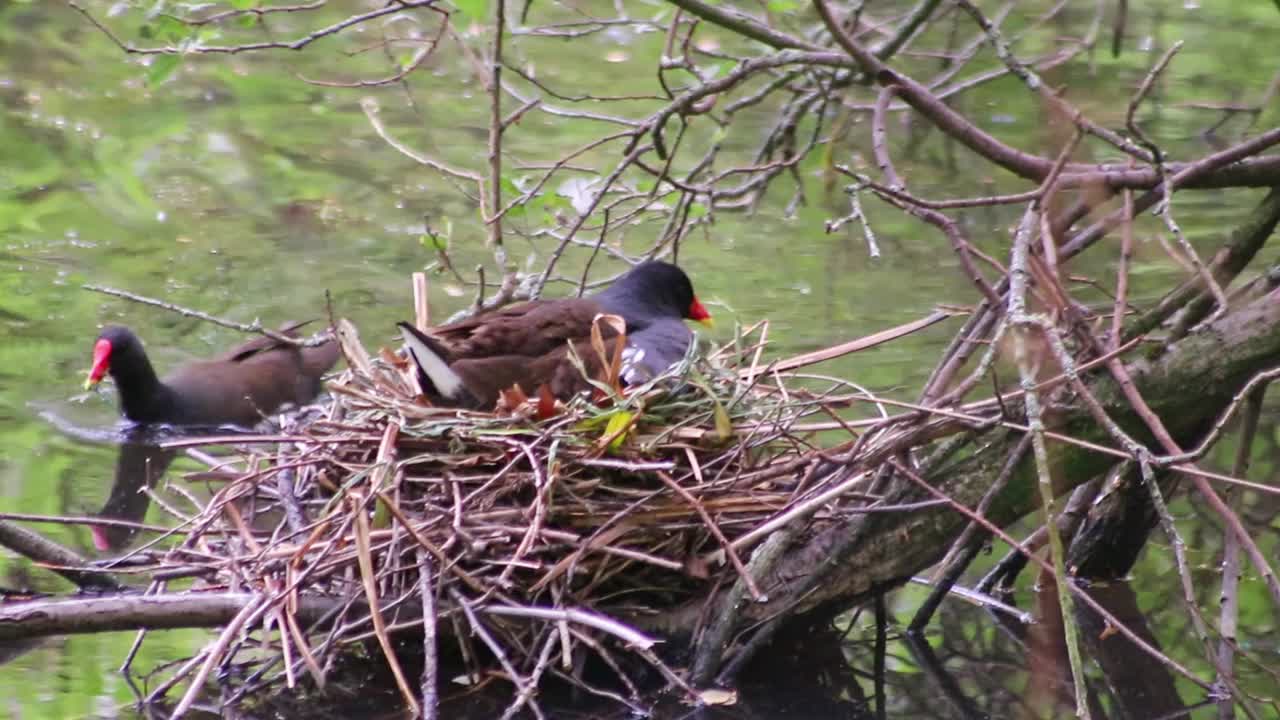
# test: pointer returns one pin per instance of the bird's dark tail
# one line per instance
(434, 373)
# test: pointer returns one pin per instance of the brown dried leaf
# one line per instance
(392, 359)
(512, 398)
(546, 402)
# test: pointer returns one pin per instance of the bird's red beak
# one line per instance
(699, 313)
(101, 362)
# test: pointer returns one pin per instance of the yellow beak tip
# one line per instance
(708, 322)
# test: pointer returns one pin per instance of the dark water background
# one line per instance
(235, 188)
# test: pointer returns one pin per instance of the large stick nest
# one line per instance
(540, 531)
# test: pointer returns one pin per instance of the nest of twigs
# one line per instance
(518, 541)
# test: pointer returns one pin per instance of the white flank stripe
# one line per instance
(446, 380)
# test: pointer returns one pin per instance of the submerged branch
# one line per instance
(63, 561)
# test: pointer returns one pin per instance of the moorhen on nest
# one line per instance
(238, 387)
(470, 362)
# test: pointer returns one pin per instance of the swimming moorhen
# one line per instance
(470, 362)
(238, 387)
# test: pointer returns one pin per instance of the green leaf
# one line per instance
(381, 514)
(510, 191)
(167, 28)
(434, 241)
(724, 426)
(476, 10)
(510, 187)
(203, 36)
(162, 67)
(243, 4)
(618, 423)
(554, 201)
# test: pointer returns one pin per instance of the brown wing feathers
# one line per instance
(469, 363)
(489, 358)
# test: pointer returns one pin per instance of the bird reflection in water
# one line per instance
(140, 464)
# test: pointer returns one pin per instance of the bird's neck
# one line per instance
(143, 397)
